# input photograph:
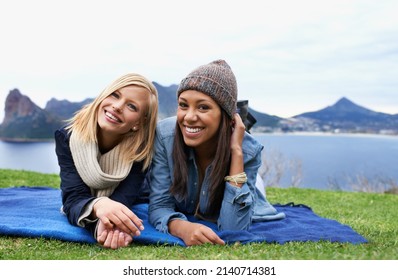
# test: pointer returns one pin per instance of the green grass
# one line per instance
(372, 215)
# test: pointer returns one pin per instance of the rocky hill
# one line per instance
(24, 120)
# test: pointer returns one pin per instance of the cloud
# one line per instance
(289, 56)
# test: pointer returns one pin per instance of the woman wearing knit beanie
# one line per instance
(104, 154)
(205, 164)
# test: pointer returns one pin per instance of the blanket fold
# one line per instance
(35, 212)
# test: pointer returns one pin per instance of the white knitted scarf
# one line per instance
(102, 173)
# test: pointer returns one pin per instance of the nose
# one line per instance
(191, 115)
(117, 106)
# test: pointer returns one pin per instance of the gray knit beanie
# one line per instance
(215, 79)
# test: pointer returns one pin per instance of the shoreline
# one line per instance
(254, 133)
(315, 133)
(25, 140)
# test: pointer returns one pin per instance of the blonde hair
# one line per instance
(136, 146)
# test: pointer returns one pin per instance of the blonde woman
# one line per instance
(104, 153)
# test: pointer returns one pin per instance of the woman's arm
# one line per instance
(238, 134)
(238, 202)
(75, 193)
(134, 189)
(77, 197)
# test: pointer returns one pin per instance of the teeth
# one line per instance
(112, 116)
(193, 130)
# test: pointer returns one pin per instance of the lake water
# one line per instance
(334, 161)
(38, 157)
(311, 161)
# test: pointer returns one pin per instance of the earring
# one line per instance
(135, 128)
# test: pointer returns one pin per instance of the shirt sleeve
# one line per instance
(238, 203)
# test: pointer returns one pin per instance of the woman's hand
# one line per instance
(116, 215)
(238, 132)
(114, 238)
(193, 233)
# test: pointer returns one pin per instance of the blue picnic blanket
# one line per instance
(35, 212)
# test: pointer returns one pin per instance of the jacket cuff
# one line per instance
(84, 219)
(164, 224)
(235, 195)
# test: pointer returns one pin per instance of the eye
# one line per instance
(132, 107)
(115, 94)
(203, 107)
(182, 105)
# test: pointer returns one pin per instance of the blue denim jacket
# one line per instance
(240, 206)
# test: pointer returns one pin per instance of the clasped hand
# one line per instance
(117, 224)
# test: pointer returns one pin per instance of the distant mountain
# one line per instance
(24, 120)
(347, 115)
(65, 109)
(167, 100)
(167, 103)
(264, 122)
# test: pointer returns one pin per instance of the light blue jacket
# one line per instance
(240, 206)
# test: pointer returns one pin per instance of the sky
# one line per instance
(289, 57)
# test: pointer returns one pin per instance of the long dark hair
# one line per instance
(220, 165)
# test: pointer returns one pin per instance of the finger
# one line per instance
(121, 241)
(124, 239)
(129, 222)
(198, 238)
(107, 222)
(115, 240)
(102, 237)
(238, 121)
(128, 239)
(108, 240)
(212, 237)
(202, 240)
(124, 223)
(133, 218)
(217, 240)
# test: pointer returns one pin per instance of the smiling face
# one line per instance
(121, 112)
(198, 117)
